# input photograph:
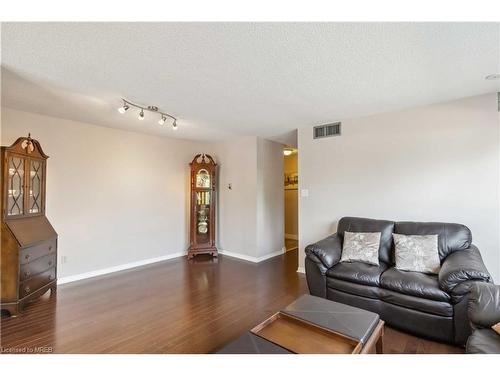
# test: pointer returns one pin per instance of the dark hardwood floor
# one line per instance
(176, 306)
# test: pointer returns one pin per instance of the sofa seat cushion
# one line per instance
(483, 341)
(352, 288)
(416, 303)
(414, 284)
(357, 272)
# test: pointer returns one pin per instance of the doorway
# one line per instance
(291, 186)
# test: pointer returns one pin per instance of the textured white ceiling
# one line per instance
(263, 79)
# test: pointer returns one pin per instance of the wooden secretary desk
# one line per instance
(29, 242)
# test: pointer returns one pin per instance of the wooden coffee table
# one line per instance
(313, 325)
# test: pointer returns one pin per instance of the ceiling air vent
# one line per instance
(328, 130)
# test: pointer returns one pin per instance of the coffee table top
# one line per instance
(350, 321)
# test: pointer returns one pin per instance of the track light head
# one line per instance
(124, 108)
(174, 125)
(141, 115)
(162, 120)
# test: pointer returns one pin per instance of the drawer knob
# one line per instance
(27, 274)
(27, 256)
(50, 248)
(50, 262)
(27, 289)
(51, 277)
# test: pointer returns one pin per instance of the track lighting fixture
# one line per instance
(127, 105)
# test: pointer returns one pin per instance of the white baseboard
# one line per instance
(126, 266)
(250, 258)
(301, 270)
(291, 236)
(121, 267)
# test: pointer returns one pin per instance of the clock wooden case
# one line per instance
(202, 212)
(29, 242)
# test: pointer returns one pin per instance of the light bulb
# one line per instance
(124, 108)
(141, 115)
(162, 120)
(287, 152)
(174, 125)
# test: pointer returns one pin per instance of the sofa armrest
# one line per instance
(484, 304)
(325, 253)
(461, 266)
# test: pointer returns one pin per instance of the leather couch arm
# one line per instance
(461, 266)
(484, 304)
(325, 253)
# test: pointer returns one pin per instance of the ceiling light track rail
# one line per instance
(127, 104)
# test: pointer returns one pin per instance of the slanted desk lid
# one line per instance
(347, 320)
(30, 230)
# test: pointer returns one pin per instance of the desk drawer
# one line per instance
(31, 253)
(37, 266)
(36, 282)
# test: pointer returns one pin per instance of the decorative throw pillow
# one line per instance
(417, 253)
(361, 247)
(496, 328)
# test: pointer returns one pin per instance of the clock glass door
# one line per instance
(202, 207)
(202, 217)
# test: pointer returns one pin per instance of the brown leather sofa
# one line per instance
(484, 312)
(433, 306)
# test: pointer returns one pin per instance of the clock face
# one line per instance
(202, 179)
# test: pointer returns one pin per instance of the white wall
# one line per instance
(250, 215)
(113, 196)
(117, 197)
(237, 214)
(435, 163)
(270, 197)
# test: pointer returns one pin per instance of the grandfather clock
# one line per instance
(203, 190)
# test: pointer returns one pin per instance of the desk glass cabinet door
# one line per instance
(24, 185)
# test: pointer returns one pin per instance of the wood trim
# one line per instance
(288, 328)
(375, 345)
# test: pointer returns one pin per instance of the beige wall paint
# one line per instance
(435, 163)
(250, 219)
(270, 197)
(291, 199)
(237, 212)
(117, 197)
(113, 196)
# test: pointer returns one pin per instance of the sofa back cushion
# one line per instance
(451, 237)
(359, 224)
